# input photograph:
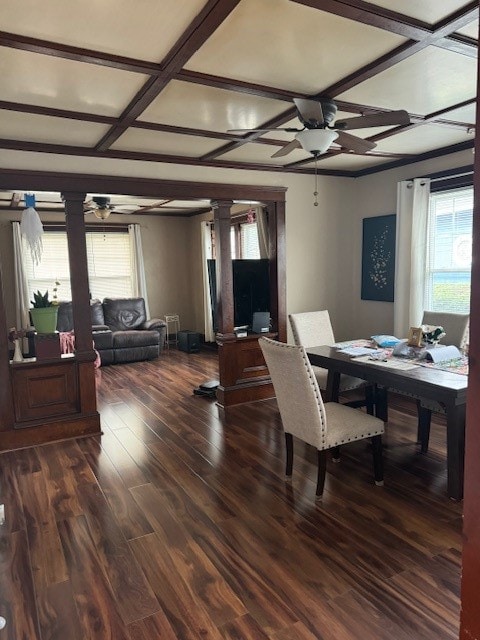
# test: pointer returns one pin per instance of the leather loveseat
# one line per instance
(120, 329)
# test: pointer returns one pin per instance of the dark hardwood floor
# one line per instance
(177, 523)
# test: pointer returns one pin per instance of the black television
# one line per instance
(251, 289)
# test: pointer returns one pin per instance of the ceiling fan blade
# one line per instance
(310, 110)
(354, 143)
(290, 129)
(285, 150)
(375, 120)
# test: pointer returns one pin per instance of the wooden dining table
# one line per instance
(423, 383)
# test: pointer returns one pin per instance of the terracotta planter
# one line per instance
(45, 319)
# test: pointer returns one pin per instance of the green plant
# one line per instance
(41, 300)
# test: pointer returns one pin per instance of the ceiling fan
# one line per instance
(101, 208)
(319, 129)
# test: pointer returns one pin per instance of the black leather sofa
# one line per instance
(120, 329)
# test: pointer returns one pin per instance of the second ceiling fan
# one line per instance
(320, 130)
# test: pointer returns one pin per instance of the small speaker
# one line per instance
(189, 341)
(261, 322)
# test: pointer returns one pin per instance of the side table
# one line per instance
(171, 337)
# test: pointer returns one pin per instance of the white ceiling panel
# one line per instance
(464, 114)
(51, 130)
(65, 84)
(471, 30)
(282, 44)
(423, 83)
(348, 162)
(185, 104)
(143, 29)
(430, 11)
(432, 137)
(165, 143)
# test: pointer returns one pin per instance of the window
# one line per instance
(244, 241)
(109, 265)
(449, 251)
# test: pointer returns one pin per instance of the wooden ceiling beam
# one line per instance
(200, 29)
(403, 25)
(90, 56)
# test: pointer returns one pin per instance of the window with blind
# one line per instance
(244, 241)
(109, 265)
(449, 251)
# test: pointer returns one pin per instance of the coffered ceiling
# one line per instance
(163, 82)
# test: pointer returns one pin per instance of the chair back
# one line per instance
(312, 328)
(296, 388)
(455, 326)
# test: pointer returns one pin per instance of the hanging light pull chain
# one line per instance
(315, 193)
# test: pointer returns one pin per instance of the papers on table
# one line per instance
(390, 363)
(355, 352)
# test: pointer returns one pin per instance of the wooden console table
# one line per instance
(52, 400)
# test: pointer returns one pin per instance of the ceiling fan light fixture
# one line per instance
(316, 141)
(102, 213)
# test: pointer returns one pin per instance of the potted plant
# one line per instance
(44, 311)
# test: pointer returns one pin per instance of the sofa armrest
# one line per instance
(100, 327)
(153, 324)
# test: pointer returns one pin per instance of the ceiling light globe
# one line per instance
(102, 213)
(316, 141)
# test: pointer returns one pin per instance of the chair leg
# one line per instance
(322, 469)
(370, 398)
(423, 430)
(377, 460)
(289, 446)
(336, 454)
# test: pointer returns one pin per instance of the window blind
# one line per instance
(108, 260)
(449, 251)
(249, 241)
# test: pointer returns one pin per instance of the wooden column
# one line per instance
(242, 370)
(276, 252)
(53, 399)
(6, 396)
(470, 611)
(77, 257)
(223, 269)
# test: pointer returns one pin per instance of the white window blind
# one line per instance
(449, 251)
(249, 241)
(109, 265)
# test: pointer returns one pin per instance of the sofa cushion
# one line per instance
(123, 314)
(96, 311)
(65, 315)
(123, 339)
(103, 340)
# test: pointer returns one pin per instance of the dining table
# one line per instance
(429, 385)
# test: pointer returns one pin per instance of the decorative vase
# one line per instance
(45, 319)
(17, 354)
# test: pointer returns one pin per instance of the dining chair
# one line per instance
(456, 327)
(314, 328)
(304, 414)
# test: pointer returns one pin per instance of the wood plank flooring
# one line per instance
(177, 523)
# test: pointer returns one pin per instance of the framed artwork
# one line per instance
(378, 258)
(415, 336)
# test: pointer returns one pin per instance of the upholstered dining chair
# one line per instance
(456, 326)
(314, 328)
(304, 414)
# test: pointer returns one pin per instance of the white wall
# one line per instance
(323, 243)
